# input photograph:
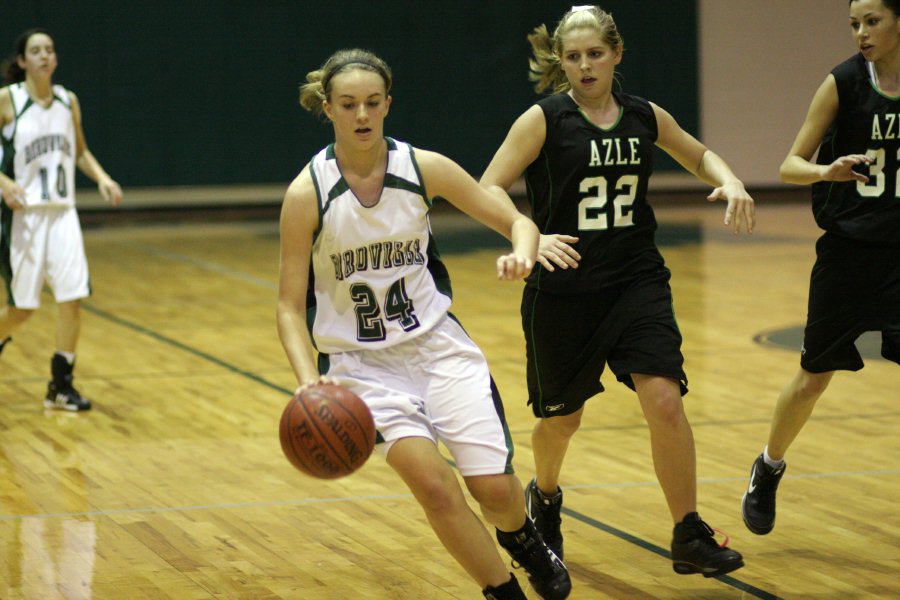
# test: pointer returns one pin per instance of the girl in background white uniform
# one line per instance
(40, 235)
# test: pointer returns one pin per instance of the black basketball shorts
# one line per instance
(854, 288)
(569, 338)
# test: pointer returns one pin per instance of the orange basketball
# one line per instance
(327, 431)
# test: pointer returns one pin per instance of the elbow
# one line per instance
(787, 173)
(782, 172)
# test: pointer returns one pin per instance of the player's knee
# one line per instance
(666, 409)
(437, 495)
(809, 386)
(563, 426)
(71, 309)
(493, 492)
(18, 315)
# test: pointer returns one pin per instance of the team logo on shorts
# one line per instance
(555, 407)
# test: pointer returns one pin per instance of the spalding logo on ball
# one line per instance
(327, 431)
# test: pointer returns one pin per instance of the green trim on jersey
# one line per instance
(881, 93)
(339, 187)
(530, 191)
(8, 164)
(412, 155)
(392, 181)
(28, 104)
(534, 351)
(604, 129)
(498, 408)
(816, 213)
(6, 217)
(12, 137)
(319, 204)
(438, 270)
(65, 102)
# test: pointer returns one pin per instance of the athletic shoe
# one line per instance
(758, 504)
(66, 398)
(694, 550)
(546, 573)
(544, 511)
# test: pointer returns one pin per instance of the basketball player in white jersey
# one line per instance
(40, 235)
(359, 263)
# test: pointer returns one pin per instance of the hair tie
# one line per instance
(353, 61)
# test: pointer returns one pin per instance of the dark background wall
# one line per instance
(205, 92)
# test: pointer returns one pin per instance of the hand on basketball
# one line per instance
(320, 380)
(842, 168)
(327, 431)
(741, 208)
(512, 266)
(556, 249)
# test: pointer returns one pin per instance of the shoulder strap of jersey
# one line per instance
(62, 94)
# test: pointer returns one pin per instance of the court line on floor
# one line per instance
(182, 346)
(718, 480)
(731, 581)
(204, 264)
(335, 499)
(645, 545)
(599, 525)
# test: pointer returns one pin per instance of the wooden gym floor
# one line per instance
(174, 486)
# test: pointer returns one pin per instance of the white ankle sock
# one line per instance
(771, 461)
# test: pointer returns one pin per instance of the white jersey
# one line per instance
(39, 148)
(377, 276)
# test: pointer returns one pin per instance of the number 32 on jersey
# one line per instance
(875, 185)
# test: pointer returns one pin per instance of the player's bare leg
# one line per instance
(794, 407)
(694, 548)
(11, 318)
(437, 490)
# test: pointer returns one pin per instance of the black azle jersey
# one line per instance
(591, 183)
(868, 122)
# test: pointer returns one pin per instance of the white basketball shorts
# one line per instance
(435, 386)
(46, 247)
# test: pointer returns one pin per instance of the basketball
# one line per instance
(327, 431)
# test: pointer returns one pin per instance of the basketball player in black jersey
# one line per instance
(854, 122)
(586, 152)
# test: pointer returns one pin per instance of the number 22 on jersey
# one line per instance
(592, 211)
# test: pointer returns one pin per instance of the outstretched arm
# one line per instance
(521, 147)
(709, 167)
(446, 179)
(797, 167)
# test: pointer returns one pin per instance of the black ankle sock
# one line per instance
(518, 533)
(61, 370)
(509, 590)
